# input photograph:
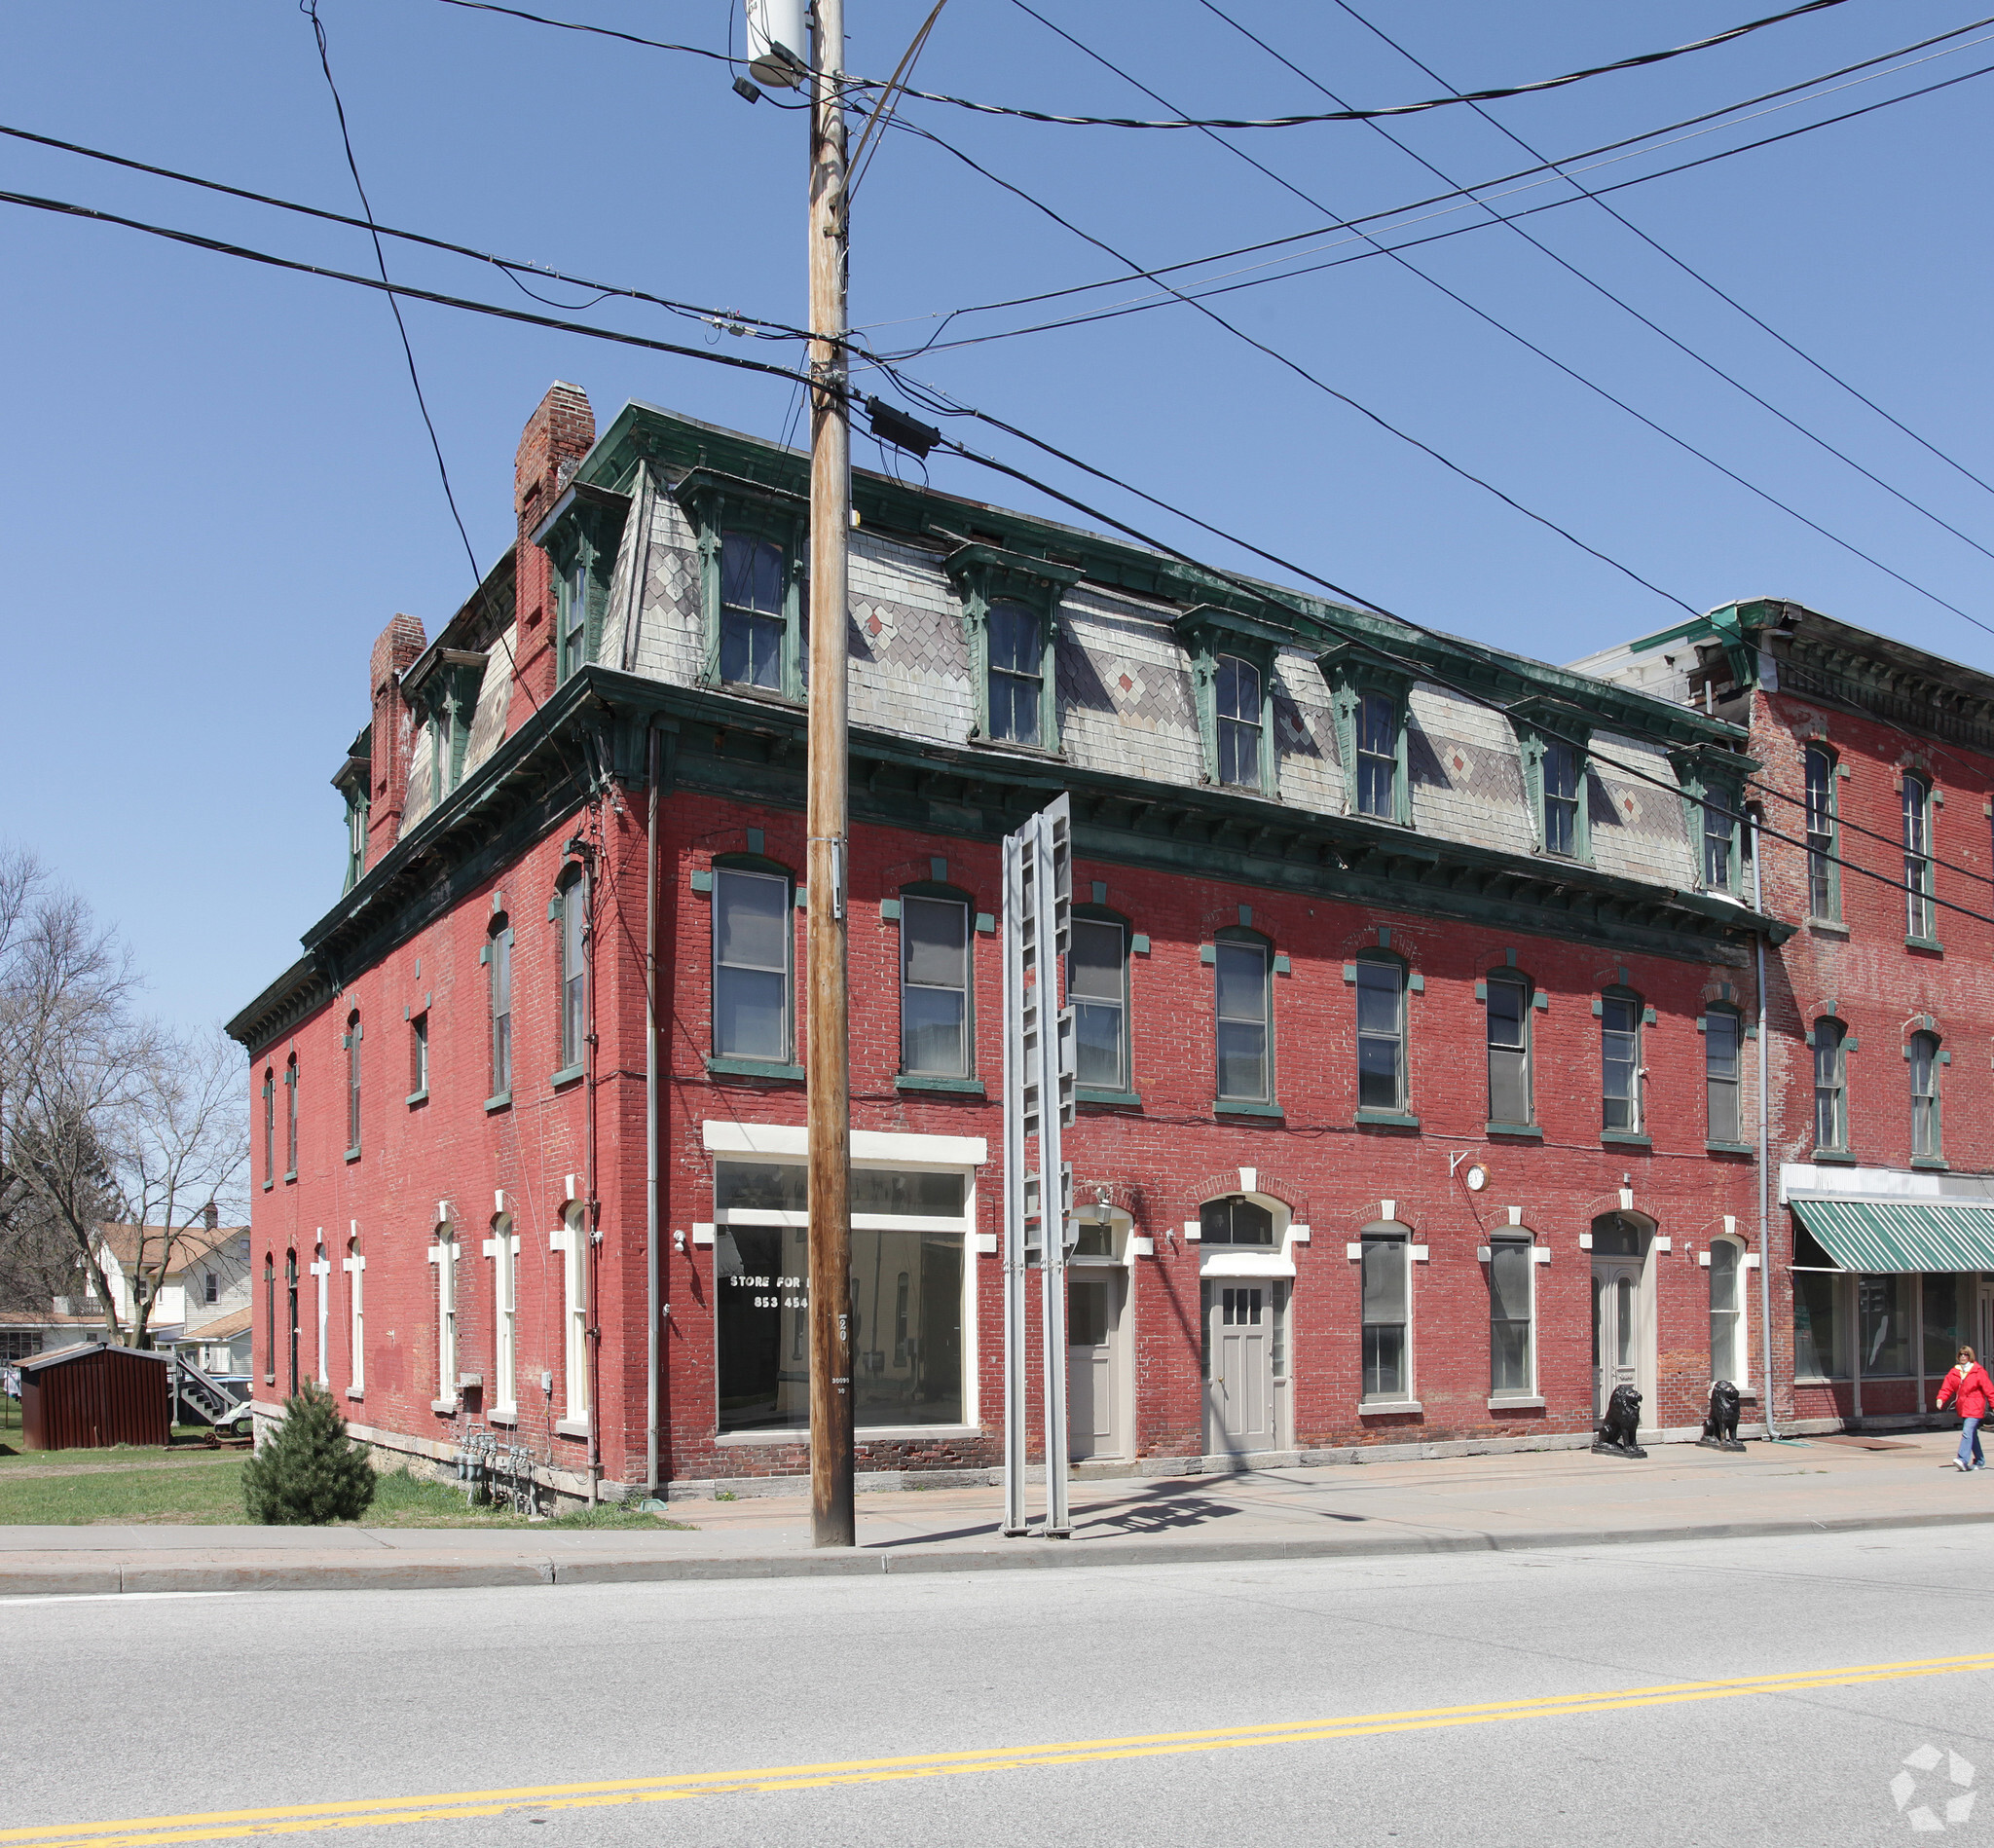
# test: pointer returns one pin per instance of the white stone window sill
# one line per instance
(1370, 1407)
(865, 1434)
(447, 1408)
(1520, 1403)
(503, 1414)
(571, 1426)
(355, 1394)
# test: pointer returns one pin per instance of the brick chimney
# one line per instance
(395, 648)
(556, 437)
(212, 1216)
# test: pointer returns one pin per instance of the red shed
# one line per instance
(94, 1396)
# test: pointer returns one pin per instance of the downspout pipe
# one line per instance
(1764, 1147)
(650, 1112)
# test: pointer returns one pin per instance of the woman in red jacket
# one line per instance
(1967, 1382)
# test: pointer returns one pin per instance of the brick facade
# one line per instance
(558, 782)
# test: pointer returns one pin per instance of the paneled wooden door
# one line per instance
(1239, 1344)
(1096, 1417)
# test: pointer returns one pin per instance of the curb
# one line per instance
(389, 1574)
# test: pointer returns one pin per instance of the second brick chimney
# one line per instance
(556, 437)
(395, 648)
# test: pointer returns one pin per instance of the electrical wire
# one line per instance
(1343, 113)
(509, 267)
(874, 85)
(1531, 345)
(1687, 269)
(1301, 372)
(1713, 117)
(309, 8)
(1219, 574)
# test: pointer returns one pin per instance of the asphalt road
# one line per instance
(1313, 1702)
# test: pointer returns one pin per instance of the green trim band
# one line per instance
(719, 1067)
(1626, 1140)
(567, 1075)
(1229, 1108)
(960, 1087)
(503, 1101)
(1387, 1119)
(1122, 1099)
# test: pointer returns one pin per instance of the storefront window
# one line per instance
(1886, 1325)
(1820, 1327)
(1941, 1325)
(906, 1295)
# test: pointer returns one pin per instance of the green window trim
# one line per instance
(986, 576)
(720, 1065)
(736, 1062)
(1547, 728)
(1822, 818)
(1713, 781)
(718, 504)
(1209, 633)
(918, 1081)
(1352, 674)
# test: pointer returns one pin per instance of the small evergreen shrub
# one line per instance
(309, 1472)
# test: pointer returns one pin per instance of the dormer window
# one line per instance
(1238, 710)
(575, 648)
(1561, 798)
(1018, 674)
(752, 623)
(1378, 757)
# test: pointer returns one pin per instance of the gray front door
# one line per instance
(1238, 1391)
(1616, 1329)
(1093, 1361)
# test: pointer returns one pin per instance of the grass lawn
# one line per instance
(206, 1487)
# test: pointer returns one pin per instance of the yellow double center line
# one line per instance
(464, 1805)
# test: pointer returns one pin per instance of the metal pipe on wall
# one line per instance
(1764, 1145)
(651, 1109)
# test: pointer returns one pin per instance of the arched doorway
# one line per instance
(1244, 1271)
(1099, 1386)
(1623, 1309)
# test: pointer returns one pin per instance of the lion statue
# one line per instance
(1720, 1427)
(1615, 1436)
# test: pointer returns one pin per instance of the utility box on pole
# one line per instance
(1039, 1228)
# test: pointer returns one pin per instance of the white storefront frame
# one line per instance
(892, 1151)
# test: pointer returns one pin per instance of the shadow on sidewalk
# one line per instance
(1160, 1510)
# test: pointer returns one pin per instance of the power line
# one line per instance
(309, 8)
(1343, 113)
(509, 267)
(1559, 168)
(1696, 276)
(1531, 345)
(927, 394)
(1301, 372)
(874, 84)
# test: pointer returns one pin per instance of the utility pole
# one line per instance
(834, 1522)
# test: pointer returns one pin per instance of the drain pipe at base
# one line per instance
(1764, 1147)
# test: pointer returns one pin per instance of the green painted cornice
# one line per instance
(972, 558)
(753, 751)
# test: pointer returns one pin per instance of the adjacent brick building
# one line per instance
(1415, 987)
(1878, 769)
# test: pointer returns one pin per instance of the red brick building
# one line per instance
(1415, 982)
(1878, 769)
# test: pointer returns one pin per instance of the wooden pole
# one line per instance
(828, 1069)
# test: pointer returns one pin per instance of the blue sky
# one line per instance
(220, 489)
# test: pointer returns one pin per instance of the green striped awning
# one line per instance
(1881, 1235)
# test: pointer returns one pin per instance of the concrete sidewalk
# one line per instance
(1496, 1503)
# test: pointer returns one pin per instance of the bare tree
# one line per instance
(104, 1115)
(182, 1146)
